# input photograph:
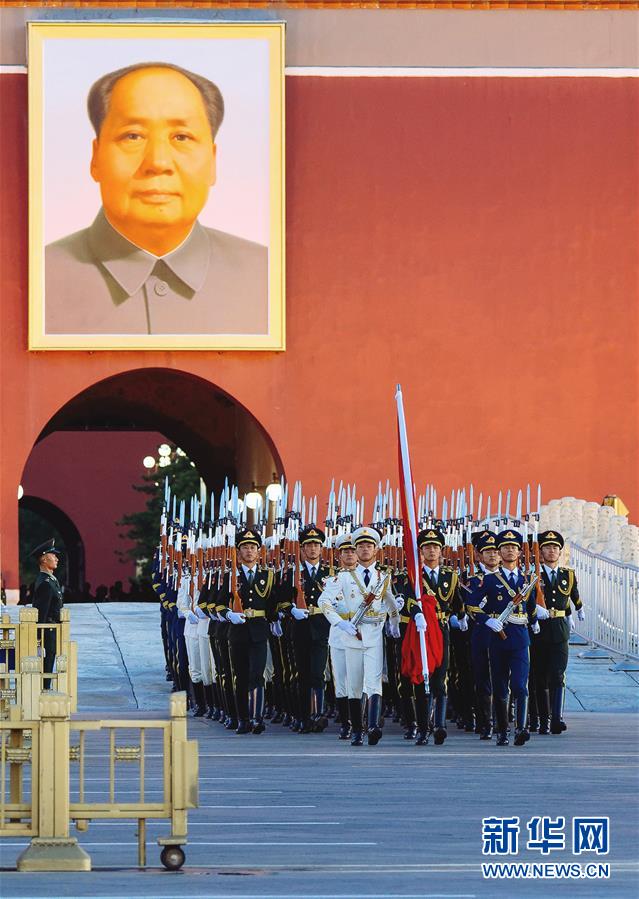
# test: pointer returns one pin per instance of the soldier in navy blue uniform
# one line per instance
(249, 629)
(488, 562)
(559, 586)
(47, 599)
(509, 643)
(442, 582)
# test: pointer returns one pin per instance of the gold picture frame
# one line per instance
(247, 60)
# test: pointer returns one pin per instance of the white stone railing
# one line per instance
(596, 528)
(610, 593)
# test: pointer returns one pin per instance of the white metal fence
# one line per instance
(610, 593)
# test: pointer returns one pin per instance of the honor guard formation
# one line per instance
(294, 624)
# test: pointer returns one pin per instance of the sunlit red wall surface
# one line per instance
(472, 238)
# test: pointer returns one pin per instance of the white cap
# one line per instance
(364, 534)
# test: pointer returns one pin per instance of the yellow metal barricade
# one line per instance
(42, 806)
(21, 662)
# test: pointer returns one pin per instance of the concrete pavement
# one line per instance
(288, 815)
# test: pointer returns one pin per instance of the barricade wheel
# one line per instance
(172, 857)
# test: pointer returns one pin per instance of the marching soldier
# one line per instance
(365, 594)
(509, 643)
(47, 599)
(559, 586)
(310, 631)
(443, 583)
(347, 557)
(486, 546)
(248, 636)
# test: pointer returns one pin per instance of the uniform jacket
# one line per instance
(559, 597)
(47, 598)
(344, 594)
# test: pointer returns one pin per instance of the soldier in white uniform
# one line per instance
(347, 561)
(185, 606)
(365, 595)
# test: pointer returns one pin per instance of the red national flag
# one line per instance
(418, 654)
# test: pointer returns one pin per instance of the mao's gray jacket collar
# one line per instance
(130, 266)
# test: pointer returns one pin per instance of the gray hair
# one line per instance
(100, 94)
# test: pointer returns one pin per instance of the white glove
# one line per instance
(420, 622)
(200, 613)
(535, 628)
(463, 624)
(571, 623)
(181, 614)
(276, 629)
(299, 614)
(580, 615)
(236, 617)
(454, 621)
(399, 602)
(542, 613)
(348, 627)
(494, 625)
(192, 617)
(393, 628)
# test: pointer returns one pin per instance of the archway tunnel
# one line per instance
(87, 462)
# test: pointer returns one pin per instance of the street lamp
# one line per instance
(20, 491)
(148, 462)
(274, 490)
(164, 450)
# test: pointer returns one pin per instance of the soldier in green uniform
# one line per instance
(249, 628)
(47, 599)
(442, 582)
(559, 586)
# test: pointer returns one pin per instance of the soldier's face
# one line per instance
(248, 553)
(312, 552)
(348, 558)
(490, 558)
(49, 561)
(509, 553)
(366, 552)
(550, 554)
(154, 158)
(431, 554)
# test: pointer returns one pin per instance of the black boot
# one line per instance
(199, 700)
(258, 710)
(355, 709)
(345, 730)
(423, 705)
(440, 720)
(557, 700)
(543, 707)
(243, 727)
(210, 700)
(521, 719)
(501, 714)
(306, 712)
(486, 716)
(409, 718)
(374, 714)
(320, 721)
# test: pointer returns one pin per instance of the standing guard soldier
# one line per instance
(441, 582)
(47, 599)
(248, 636)
(367, 598)
(509, 654)
(347, 557)
(559, 586)
(310, 631)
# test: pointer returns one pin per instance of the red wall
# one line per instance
(473, 239)
(90, 477)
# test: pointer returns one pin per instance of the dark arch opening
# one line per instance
(218, 434)
(73, 560)
(204, 420)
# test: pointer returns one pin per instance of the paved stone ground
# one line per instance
(283, 815)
